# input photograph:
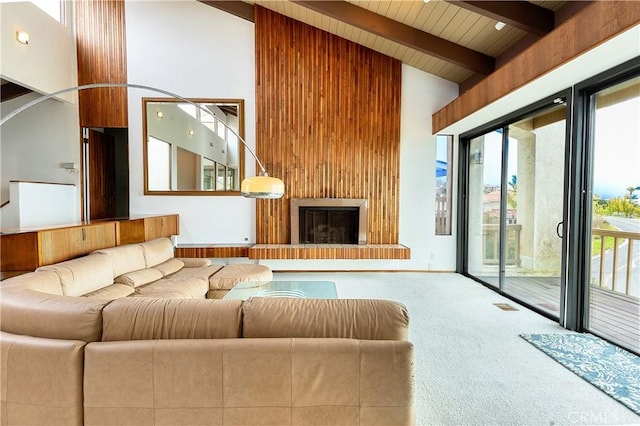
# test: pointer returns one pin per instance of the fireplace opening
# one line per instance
(329, 225)
(329, 221)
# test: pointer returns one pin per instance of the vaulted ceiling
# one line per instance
(453, 39)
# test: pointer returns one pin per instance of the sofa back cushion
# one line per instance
(139, 278)
(125, 258)
(157, 251)
(83, 275)
(142, 318)
(38, 314)
(366, 319)
(44, 281)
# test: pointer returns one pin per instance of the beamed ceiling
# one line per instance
(453, 39)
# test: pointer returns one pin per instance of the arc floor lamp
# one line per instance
(261, 186)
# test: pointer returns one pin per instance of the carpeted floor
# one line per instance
(471, 366)
(611, 369)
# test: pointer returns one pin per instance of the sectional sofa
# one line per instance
(104, 339)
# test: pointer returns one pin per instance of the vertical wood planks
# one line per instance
(327, 124)
(101, 49)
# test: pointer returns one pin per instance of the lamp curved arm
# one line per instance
(28, 105)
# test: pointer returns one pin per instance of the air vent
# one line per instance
(505, 306)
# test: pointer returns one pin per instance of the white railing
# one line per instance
(615, 266)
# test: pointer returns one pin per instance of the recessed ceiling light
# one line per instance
(500, 25)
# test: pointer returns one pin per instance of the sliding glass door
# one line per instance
(515, 198)
(613, 305)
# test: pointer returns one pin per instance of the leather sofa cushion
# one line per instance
(234, 273)
(369, 319)
(38, 314)
(112, 291)
(44, 281)
(250, 381)
(188, 288)
(169, 267)
(200, 273)
(157, 251)
(143, 318)
(41, 381)
(195, 262)
(139, 278)
(125, 258)
(83, 275)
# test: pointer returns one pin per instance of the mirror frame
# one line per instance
(241, 146)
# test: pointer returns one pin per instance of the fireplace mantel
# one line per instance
(360, 203)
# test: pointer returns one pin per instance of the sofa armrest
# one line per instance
(39, 314)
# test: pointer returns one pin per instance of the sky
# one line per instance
(616, 151)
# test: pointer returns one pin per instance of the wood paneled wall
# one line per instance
(327, 124)
(101, 48)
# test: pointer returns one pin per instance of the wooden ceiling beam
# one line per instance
(235, 7)
(403, 34)
(520, 14)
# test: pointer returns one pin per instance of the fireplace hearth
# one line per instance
(328, 221)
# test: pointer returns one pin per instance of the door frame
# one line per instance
(462, 258)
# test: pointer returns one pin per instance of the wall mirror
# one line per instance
(189, 150)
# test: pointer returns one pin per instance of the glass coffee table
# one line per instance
(291, 289)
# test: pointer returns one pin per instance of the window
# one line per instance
(444, 153)
(54, 8)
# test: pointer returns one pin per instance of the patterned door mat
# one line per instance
(611, 369)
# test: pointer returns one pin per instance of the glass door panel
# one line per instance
(614, 288)
(534, 208)
(484, 198)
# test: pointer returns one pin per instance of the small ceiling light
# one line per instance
(159, 114)
(427, 1)
(500, 25)
(22, 37)
(190, 132)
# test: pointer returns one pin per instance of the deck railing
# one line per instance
(618, 247)
(491, 244)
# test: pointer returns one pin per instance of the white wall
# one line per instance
(422, 95)
(36, 142)
(194, 51)
(48, 62)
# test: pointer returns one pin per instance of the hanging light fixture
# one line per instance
(261, 186)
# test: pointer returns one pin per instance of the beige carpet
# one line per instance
(471, 366)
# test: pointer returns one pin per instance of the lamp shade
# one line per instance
(262, 186)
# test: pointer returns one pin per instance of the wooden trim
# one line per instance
(42, 182)
(330, 251)
(526, 16)
(238, 8)
(595, 24)
(11, 90)
(403, 34)
(213, 251)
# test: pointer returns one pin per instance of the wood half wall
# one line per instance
(327, 124)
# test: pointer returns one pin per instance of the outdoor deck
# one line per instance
(613, 315)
